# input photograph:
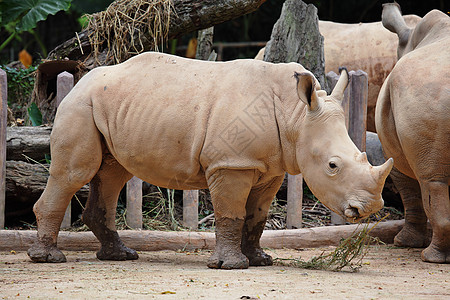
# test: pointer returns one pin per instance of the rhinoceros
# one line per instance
(413, 124)
(362, 46)
(233, 127)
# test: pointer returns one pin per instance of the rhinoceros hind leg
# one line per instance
(116, 250)
(49, 211)
(435, 196)
(100, 211)
(414, 233)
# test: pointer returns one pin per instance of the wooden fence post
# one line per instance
(355, 110)
(332, 79)
(294, 201)
(358, 90)
(190, 209)
(3, 124)
(190, 197)
(64, 83)
(134, 203)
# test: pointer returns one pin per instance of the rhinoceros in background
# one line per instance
(363, 46)
(233, 127)
(413, 124)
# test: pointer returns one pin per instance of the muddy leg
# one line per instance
(100, 211)
(49, 211)
(414, 234)
(229, 191)
(76, 156)
(257, 207)
(436, 202)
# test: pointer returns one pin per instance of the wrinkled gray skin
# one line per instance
(413, 124)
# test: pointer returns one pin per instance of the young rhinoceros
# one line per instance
(233, 127)
(413, 124)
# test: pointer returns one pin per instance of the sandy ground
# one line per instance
(387, 273)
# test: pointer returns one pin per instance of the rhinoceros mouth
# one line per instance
(352, 214)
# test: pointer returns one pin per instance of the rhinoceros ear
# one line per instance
(392, 19)
(306, 89)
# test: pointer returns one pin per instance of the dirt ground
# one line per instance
(387, 273)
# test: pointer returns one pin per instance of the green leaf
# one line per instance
(35, 115)
(30, 12)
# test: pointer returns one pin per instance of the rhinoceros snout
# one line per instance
(352, 213)
(355, 212)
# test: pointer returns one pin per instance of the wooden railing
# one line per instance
(355, 110)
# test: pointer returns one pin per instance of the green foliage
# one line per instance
(20, 85)
(25, 14)
(35, 115)
(84, 20)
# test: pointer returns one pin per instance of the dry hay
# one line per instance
(349, 253)
(129, 27)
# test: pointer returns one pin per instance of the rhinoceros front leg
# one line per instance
(414, 233)
(435, 197)
(100, 211)
(229, 191)
(257, 208)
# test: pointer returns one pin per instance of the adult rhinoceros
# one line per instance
(413, 124)
(233, 127)
(362, 46)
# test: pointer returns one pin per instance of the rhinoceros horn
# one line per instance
(381, 172)
(338, 91)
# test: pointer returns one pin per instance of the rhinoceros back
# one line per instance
(157, 110)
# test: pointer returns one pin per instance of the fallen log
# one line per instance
(25, 183)
(27, 142)
(143, 240)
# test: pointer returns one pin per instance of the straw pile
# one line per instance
(129, 27)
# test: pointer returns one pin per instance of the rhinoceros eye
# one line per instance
(334, 166)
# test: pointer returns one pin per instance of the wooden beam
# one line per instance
(294, 201)
(359, 89)
(190, 209)
(134, 203)
(64, 83)
(148, 240)
(355, 110)
(3, 124)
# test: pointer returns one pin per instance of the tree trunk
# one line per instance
(27, 142)
(296, 38)
(188, 16)
(205, 43)
(25, 183)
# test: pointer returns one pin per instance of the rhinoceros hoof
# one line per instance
(433, 255)
(259, 258)
(46, 254)
(122, 253)
(409, 236)
(239, 261)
